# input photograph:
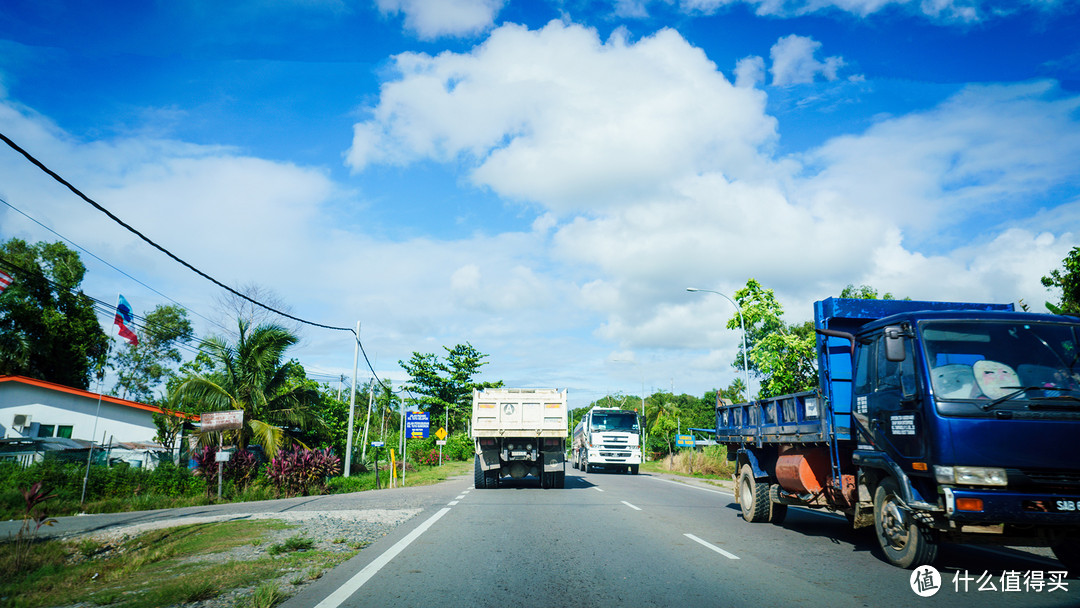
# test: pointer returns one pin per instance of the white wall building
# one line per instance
(34, 408)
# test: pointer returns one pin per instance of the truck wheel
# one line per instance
(1068, 553)
(633, 469)
(753, 496)
(491, 479)
(903, 541)
(479, 482)
(560, 480)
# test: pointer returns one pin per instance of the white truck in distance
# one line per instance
(519, 432)
(608, 438)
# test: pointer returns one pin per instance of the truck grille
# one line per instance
(1047, 480)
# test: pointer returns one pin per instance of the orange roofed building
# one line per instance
(32, 408)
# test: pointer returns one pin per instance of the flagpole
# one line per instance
(97, 414)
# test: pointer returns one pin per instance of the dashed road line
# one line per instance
(631, 506)
(598, 488)
(712, 546)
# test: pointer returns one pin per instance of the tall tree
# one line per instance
(1068, 281)
(781, 354)
(443, 388)
(250, 375)
(143, 366)
(48, 327)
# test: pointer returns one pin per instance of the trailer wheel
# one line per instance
(753, 496)
(904, 542)
(479, 480)
(1068, 553)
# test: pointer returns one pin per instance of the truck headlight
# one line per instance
(971, 476)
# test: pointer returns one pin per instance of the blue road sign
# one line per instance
(417, 425)
(684, 441)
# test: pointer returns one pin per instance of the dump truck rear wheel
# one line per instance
(904, 542)
(478, 474)
(753, 496)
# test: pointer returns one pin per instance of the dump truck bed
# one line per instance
(507, 412)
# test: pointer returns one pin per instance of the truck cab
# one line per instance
(972, 415)
(609, 439)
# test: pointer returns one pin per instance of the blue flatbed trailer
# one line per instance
(932, 422)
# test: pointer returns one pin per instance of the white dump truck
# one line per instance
(519, 432)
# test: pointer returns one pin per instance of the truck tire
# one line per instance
(904, 542)
(1068, 553)
(753, 496)
(491, 479)
(479, 482)
(633, 469)
(560, 480)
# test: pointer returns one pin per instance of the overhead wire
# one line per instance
(177, 259)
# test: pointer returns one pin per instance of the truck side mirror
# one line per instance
(894, 344)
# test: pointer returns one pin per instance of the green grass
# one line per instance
(709, 464)
(157, 568)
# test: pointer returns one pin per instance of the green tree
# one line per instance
(250, 376)
(782, 355)
(143, 366)
(442, 387)
(864, 292)
(48, 327)
(1068, 281)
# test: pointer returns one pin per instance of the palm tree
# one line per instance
(250, 376)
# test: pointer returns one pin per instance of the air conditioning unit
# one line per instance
(21, 421)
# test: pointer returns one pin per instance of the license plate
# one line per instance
(1052, 506)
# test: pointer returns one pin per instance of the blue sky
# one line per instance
(544, 179)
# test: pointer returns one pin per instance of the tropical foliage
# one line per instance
(48, 327)
(443, 387)
(250, 376)
(1067, 279)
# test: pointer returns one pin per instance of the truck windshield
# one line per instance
(991, 363)
(626, 422)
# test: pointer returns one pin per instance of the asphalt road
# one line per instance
(615, 540)
(647, 540)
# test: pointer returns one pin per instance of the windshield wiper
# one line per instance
(1020, 390)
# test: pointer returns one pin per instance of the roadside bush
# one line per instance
(300, 471)
(711, 460)
(459, 446)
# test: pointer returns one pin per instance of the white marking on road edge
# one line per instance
(353, 584)
(712, 546)
(631, 506)
(686, 485)
(597, 489)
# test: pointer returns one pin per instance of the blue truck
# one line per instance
(932, 422)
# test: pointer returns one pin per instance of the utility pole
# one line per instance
(352, 403)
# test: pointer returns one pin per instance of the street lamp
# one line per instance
(746, 353)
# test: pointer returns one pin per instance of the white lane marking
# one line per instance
(597, 488)
(350, 587)
(712, 546)
(460, 497)
(631, 506)
(452, 503)
(686, 485)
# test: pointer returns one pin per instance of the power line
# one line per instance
(177, 259)
(153, 244)
(98, 258)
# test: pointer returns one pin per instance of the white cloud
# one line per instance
(558, 117)
(943, 11)
(793, 62)
(431, 19)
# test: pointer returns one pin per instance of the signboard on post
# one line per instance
(417, 425)
(684, 441)
(222, 421)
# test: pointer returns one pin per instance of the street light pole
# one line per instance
(746, 353)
